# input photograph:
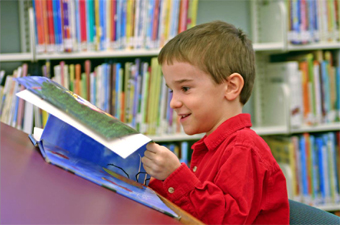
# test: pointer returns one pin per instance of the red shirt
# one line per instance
(233, 179)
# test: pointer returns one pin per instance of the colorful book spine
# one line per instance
(145, 97)
(83, 32)
(77, 24)
(39, 25)
(60, 46)
(90, 24)
(77, 79)
(151, 10)
(66, 28)
(21, 106)
(113, 24)
(102, 22)
(51, 33)
(45, 24)
(184, 152)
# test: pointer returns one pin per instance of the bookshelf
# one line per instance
(266, 23)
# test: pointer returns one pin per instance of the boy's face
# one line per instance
(197, 99)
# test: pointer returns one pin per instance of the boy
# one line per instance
(233, 178)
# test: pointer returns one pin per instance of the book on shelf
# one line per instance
(313, 21)
(317, 90)
(289, 73)
(88, 25)
(89, 142)
(134, 92)
(312, 162)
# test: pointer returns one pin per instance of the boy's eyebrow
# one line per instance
(180, 81)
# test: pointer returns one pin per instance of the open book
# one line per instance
(89, 142)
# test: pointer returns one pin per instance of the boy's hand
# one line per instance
(159, 162)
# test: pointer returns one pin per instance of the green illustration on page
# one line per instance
(80, 109)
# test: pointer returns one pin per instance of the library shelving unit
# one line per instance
(266, 23)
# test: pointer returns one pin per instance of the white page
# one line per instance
(123, 146)
(37, 132)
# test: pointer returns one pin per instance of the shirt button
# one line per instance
(171, 190)
(194, 169)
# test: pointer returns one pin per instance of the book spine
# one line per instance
(40, 26)
(51, 31)
(90, 25)
(45, 25)
(77, 79)
(66, 28)
(113, 38)
(83, 34)
(61, 46)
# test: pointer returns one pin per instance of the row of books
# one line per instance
(88, 25)
(311, 163)
(312, 21)
(14, 111)
(313, 79)
(133, 92)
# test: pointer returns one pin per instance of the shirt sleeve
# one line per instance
(229, 198)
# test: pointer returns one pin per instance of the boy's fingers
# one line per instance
(146, 161)
(149, 154)
(152, 147)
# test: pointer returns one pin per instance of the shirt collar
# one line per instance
(228, 127)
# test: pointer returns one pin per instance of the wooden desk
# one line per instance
(35, 192)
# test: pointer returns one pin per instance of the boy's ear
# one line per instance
(234, 86)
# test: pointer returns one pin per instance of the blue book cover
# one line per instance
(77, 16)
(117, 42)
(59, 26)
(320, 144)
(88, 159)
(325, 164)
(102, 22)
(55, 22)
(150, 24)
(15, 116)
(35, 22)
(315, 170)
(174, 19)
(316, 26)
(311, 18)
(70, 146)
(295, 20)
(304, 169)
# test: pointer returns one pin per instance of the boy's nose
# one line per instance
(175, 103)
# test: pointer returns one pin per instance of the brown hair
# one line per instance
(217, 48)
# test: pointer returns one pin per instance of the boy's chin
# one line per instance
(189, 132)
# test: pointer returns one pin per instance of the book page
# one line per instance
(123, 146)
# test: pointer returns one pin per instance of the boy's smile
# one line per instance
(197, 99)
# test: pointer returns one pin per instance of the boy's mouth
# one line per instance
(185, 115)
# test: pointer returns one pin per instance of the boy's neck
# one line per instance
(231, 109)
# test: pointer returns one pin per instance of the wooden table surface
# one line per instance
(35, 192)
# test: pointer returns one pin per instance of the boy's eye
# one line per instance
(185, 89)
